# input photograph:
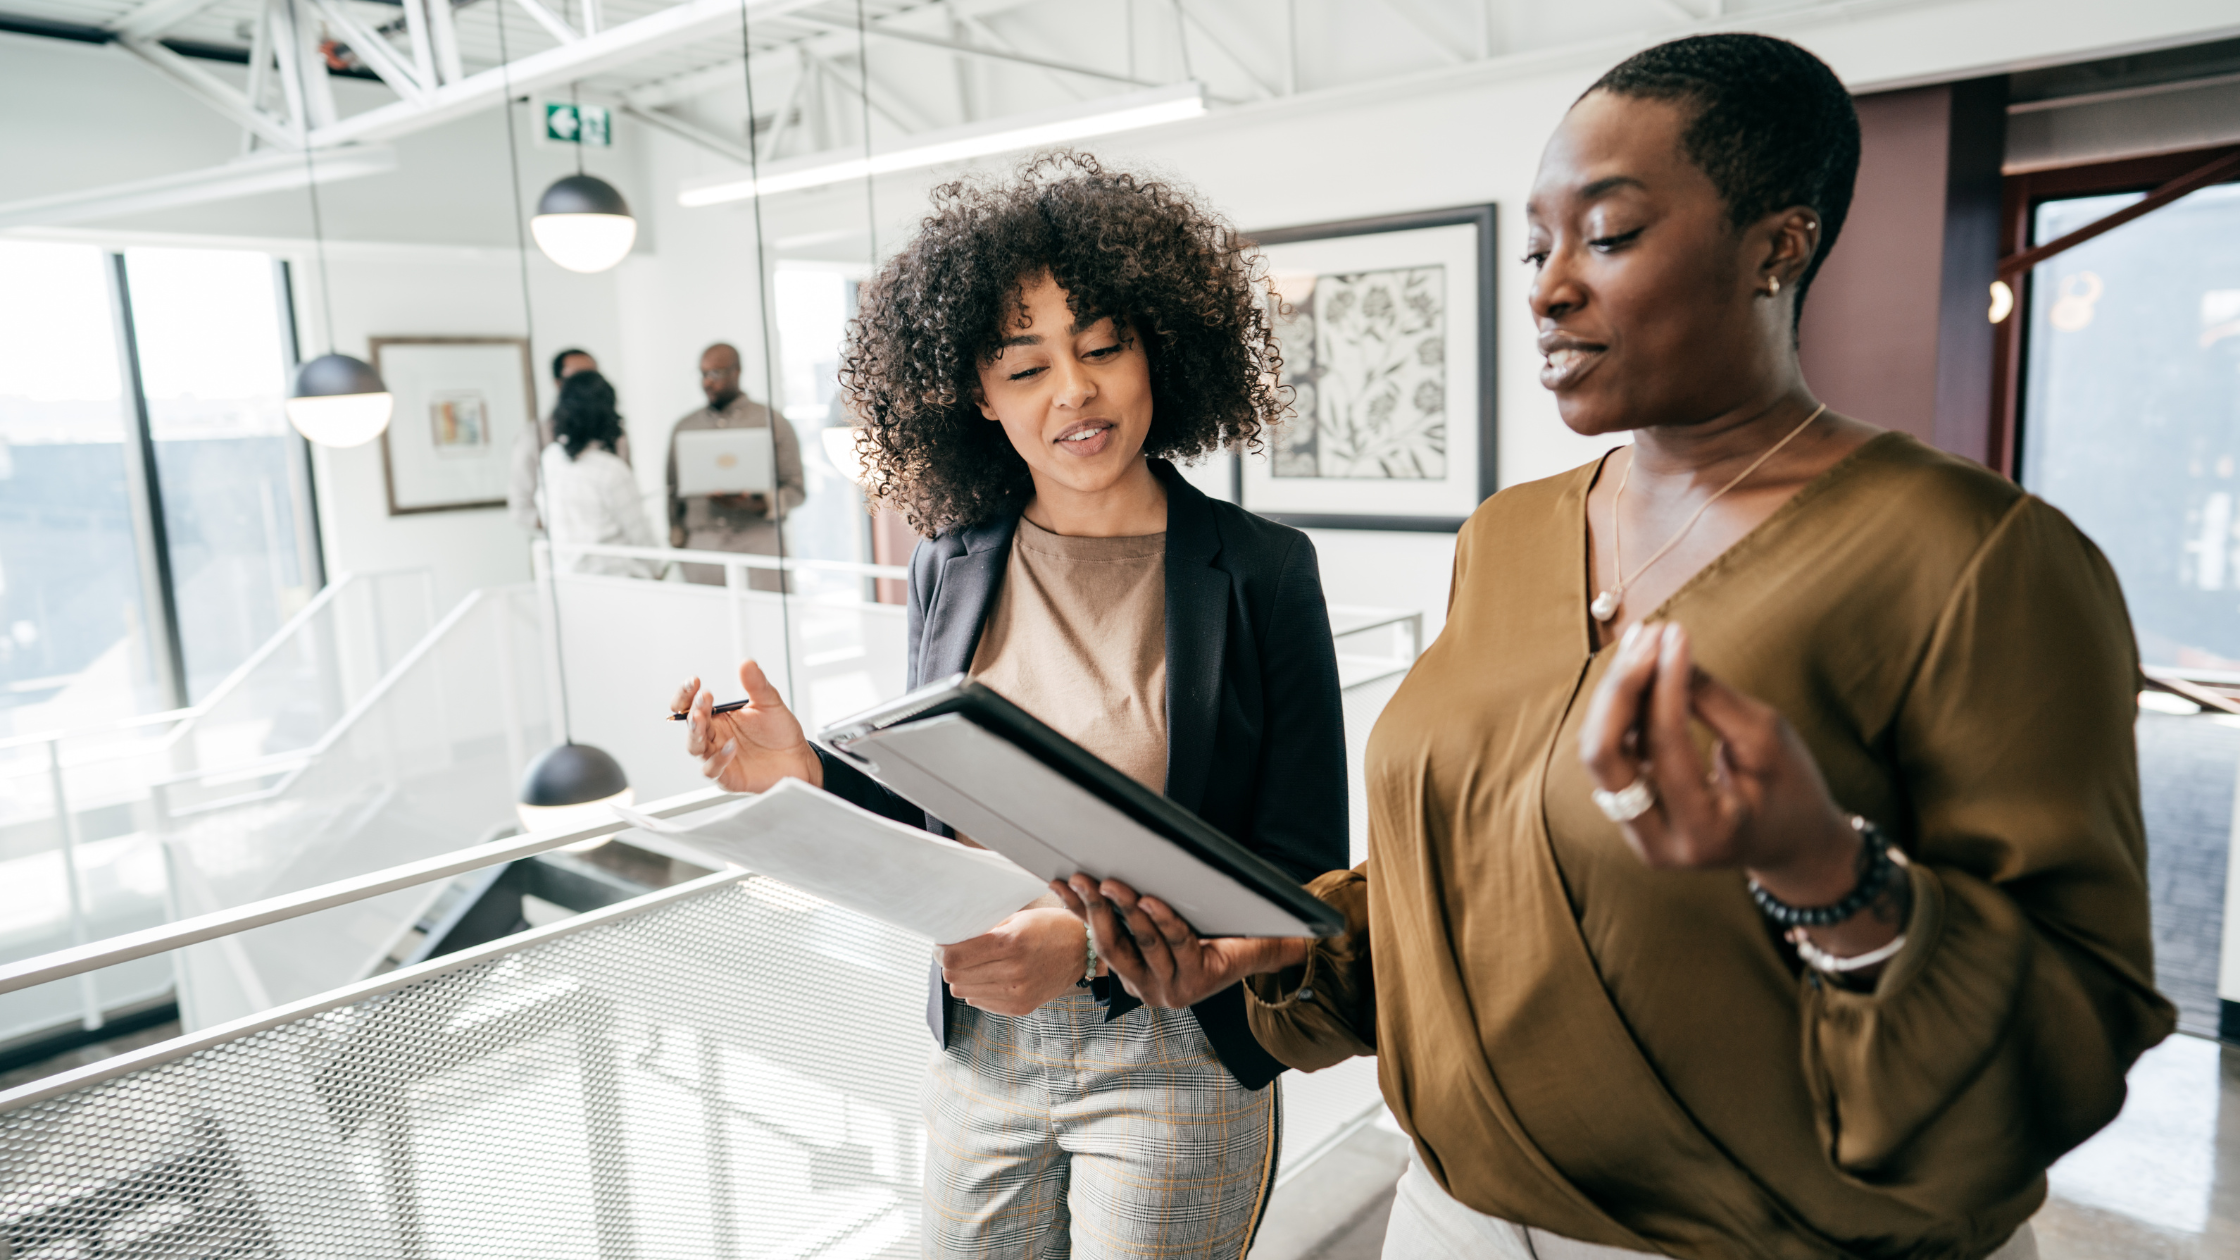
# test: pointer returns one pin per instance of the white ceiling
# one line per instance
(1243, 50)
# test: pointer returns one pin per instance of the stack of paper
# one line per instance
(824, 846)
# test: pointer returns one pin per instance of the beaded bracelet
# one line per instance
(1876, 867)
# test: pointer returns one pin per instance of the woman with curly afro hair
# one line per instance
(1025, 371)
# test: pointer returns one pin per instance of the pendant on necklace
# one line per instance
(1605, 606)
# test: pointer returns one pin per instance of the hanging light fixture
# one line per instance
(339, 401)
(583, 224)
(570, 785)
(335, 400)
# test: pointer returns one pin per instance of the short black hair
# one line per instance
(1773, 126)
(560, 360)
(585, 414)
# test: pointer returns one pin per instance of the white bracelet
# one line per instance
(1821, 960)
(1089, 969)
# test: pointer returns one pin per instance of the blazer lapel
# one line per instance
(960, 606)
(1197, 638)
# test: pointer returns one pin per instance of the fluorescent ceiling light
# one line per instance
(272, 171)
(1100, 117)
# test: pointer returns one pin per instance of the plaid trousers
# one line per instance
(1058, 1135)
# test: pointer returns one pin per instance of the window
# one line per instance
(214, 369)
(2131, 403)
(813, 305)
(110, 576)
(76, 637)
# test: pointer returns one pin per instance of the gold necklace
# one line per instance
(1605, 605)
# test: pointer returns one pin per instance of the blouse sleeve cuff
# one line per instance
(1883, 1064)
(1282, 990)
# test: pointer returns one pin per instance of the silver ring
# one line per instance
(1629, 802)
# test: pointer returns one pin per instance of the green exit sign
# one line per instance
(566, 122)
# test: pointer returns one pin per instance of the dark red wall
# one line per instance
(1894, 329)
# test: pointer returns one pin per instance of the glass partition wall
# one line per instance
(156, 519)
(2131, 405)
(2129, 421)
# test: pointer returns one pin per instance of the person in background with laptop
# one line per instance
(747, 521)
(521, 488)
(1024, 372)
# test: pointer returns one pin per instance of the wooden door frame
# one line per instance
(2023, 194)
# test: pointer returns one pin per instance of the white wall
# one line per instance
(386, 291)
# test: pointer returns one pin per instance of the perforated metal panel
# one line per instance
(731, 1073)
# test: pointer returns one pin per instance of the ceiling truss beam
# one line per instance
(594, 54)
(375, 51)
(889, 106)
(963, 48)
(157, 16)
(1188, 11)
(691, 133)
(211, 91)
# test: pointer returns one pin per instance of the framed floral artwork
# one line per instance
(1387, 328)
(461, 403)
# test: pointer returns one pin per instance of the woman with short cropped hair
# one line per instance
(1755, 860)
(1024, 370)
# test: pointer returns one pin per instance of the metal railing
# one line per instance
(719, 1068)
(127, 768)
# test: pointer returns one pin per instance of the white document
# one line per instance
(826, 847)
(724, 461)
(988, 788)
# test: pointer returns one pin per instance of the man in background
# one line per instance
(521, 491)
(734, 522)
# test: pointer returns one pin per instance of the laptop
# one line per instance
(724, 461)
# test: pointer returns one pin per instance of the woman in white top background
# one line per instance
(589, 494)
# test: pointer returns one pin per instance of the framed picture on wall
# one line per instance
(1388, 348)
(461, 402)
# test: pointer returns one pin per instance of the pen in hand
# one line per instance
(732, 706)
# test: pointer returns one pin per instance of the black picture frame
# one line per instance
(1484, 218)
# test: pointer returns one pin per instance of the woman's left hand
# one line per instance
(1031, 958)
(1761, 806)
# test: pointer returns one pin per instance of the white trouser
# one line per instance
(1427, 1224)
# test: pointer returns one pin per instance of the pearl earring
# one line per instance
(1773, 287)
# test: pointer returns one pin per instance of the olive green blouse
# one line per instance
(1634, 1057)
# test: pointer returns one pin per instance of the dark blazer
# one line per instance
(1255, 732)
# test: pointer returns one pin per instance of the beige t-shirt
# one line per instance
(1078, 637)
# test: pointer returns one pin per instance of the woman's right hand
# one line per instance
(1159, 957)
(749, 749)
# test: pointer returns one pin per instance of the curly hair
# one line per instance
(1120, 245)
(585, 414)
(1773, 126)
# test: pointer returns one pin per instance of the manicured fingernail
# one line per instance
(731, 747)
(1626, 640)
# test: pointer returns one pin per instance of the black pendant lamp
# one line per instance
(339, 401)
(583, 224)
(335, 400)
(570, 785)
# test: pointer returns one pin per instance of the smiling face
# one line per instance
(1075, 400)
(1652, 307)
